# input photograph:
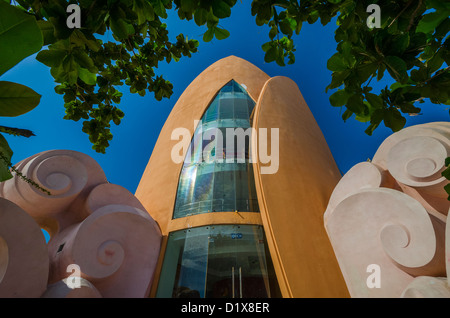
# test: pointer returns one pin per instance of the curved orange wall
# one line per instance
(292, 201)
(158, 186)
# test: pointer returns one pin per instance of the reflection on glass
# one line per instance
(224, 261)
(215, 176)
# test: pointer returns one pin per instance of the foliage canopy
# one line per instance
(412, 46)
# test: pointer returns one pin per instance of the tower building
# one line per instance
(238, 182)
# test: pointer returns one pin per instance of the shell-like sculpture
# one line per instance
(116, 248)
(101, 235)
(24, 260)
(68, 175)
(391, 214)
(427, 287)
(415, 157)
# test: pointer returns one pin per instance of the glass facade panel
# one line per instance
(224, 261)
(217, 175)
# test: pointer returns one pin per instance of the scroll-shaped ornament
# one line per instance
(415, 157)
(69, 176)
(116, 249)
(387, 228)
(427, 287)
(364, 175)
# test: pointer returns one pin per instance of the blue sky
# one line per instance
(134, 139)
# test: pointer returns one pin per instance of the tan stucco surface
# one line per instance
(293, 200)
(158, 186)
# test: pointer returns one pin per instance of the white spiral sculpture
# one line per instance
(24, 260)
(101, 235)
(427, 287)
(415, 157)
(364, 175)
(116, 249)
(392, 213)
(68, 175)
(387, 228)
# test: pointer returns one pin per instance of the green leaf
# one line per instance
(336, 63)
(355, 104)
(374, 100)
(121, 28)
(339, 98)
(221, 9)
(393, 119)
(48, 31)
(346, 115)
(347, 55)
(221, 33)
(337, 79)
(398, 44)
(188, 5)
(83, 59)
(447, 189)
(16, 99)
(431, 21)
(20, 36)
(51, 57)
(446, 173)
(208, 35)
(285, 27)
(266, 46)
(271, 55)
(375, 121)
(364, 71)
(397, 68)
(5, 159)
(435, 62)
(70, 69)
(159, 8)
(200, 16)
(86, 76)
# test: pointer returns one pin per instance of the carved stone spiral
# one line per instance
(427, 287)
(418, 161)
(117, 245)
(385, 227)
(67, 175)
(415, 157)
(99, 230)
(364, 175)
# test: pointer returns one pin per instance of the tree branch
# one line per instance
(413, 16)
(401, 12)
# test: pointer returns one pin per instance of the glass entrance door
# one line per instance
(225, 261)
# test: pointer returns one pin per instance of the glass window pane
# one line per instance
(212, 112)
(226, 108)
(220, 188)
(229, 261)
(241, 108)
